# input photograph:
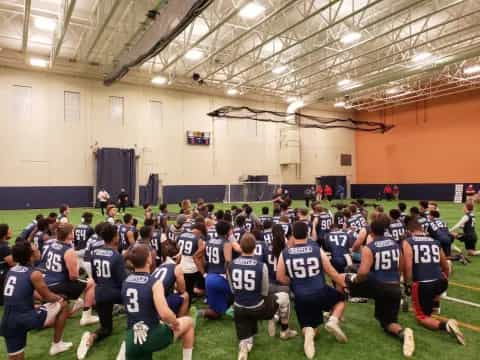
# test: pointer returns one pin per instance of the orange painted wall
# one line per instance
(436, 141)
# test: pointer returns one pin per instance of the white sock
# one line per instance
(187, 354)
(333, 319)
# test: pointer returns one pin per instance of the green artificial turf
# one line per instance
(217, 340)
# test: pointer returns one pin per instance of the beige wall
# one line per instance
(40, 149)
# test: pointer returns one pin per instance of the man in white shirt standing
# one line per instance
(103, 197)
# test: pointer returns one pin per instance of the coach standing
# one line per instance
(103, 197)
(122, 200)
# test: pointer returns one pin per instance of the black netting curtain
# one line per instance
(116, 170)
(151, 194)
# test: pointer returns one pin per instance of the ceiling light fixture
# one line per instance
(339, 104)
(232, 92)
(39, 62)
(159, 80)
(46, 24)
(251, 10)
(194, 54)
(291, 99)
(350, 37)
(393, 91)
(280, 69)
(344, 82)
(472, 69)
(421, 57)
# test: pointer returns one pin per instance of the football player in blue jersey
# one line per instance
(265, 216)
(61, 273)
(303, 267)
(218, 255)
(19, 312)
(173, 281)
(108, 273)
(378, 278)
(6, 260)
(151, 325)
(248, 278)
(397, 227)
(402, 207)
(426, 274)
(40, 236)
(126, 233)
(83, 232)
(162, 218)
(338, 243)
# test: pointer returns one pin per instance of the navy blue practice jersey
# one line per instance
(397, 230)
(82, 233)
(18, 289)
(188, 243)
(137, 296)
(215, 257)
(166, 274)
(386, 260)
(108, 268)
(54, 263)
(426, 258)
(338, 243)
(246, 280)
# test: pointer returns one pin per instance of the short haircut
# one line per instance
(210, 207)
(353, 208)
(53, 215)
(227, 217)
(395, 214)
(3, 230)
(248, 210)
(146, 232)
(347, 213)
(108, 232)
(99, 227)
(402, 206)
(149, 222)
(110, 207)
(303, 211)
(258, 234)
(138, 255)
(38, 217)
(423, 204)
(219, 214)
(168, 249)
(300, 230)
(276, 211)
(380, 209)
(127, 218)
(63, 230)
(87, 217)
(435, 213)
(284, 219)
(63, 208)
(222, 228)
(200, 227)
(146, 206)
(414, 210)
(162, 207)
(413, 224)
(469, 206)
(22, 252)
(42, 224)
(265, 210)
(380, 224)
(240, 220)
(267, 224)
(284, 206)
(248, 243)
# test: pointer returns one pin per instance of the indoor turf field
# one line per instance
(216, 339)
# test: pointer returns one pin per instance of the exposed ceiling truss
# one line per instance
(406, 50)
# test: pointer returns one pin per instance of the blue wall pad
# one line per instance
(41, 197)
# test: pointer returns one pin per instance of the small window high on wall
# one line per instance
(71, 107)
(346, 159)
(156, 114)
(116, 110)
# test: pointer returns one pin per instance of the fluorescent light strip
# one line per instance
(251, 10)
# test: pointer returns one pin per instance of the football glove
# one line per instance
(349, 281)
(407, 289)
(140, 332)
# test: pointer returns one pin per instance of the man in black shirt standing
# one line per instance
(122, 200)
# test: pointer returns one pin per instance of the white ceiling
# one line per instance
(302, 36)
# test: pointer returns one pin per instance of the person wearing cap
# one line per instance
(176, 229)
(470, 193)
(111, 213)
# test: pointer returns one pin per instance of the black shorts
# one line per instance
(470, 241)
(69, 289)
(309, 309)
(246, 319)
(387, 298)
(424, 294)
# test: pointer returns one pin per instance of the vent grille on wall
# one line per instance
(346, 159)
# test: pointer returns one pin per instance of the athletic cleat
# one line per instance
(288, 334)
(309, 344)
(357, 300)
(453, 329)
(334, 329)
(230, 312)
(118, 310)
(408, 343)
(243, 352)
(88, 318)
(84, 346)
(122, 352)
(52, 311)
(59, 347)
(272, 328)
